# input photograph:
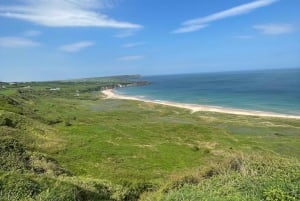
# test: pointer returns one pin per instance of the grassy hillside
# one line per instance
(64, 141)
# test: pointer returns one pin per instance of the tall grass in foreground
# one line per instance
(237, 178)
(240, 178)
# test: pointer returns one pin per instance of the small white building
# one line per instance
(54, 89)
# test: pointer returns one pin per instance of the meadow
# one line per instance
(64, 141)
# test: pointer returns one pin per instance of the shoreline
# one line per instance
(109, 94)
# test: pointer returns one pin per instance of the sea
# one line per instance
(276, 91)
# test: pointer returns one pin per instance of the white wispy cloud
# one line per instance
(64, 13)
(190, 28)
(129, 45)
(17, 42)
(200, 23)
(275, 29)
(76, 47)
(32, 33)
(131, 58)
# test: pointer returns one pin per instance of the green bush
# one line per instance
(7, 122)
(15, 187)
(14, 120)
(43, 164)
(61, 192)
(134, 190)
(9, 104)
(13, 155)
(277, 193)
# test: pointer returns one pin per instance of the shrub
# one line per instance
(4, 121)
(15, 187)
(134, 190)
(42, 164)
(267, 178)
(281, 194)
(13, 155)
(68, 123)
(61, 192)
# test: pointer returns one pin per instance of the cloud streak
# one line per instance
(200, 23)
(17, 42)
(76, 47)
(190, 28)
(275, 29)
(66, 13)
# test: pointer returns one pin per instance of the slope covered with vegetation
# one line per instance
(64, 141)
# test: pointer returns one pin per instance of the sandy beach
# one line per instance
(109, 94)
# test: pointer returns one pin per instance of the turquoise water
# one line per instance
(269, 90)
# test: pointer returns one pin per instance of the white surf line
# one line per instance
(109, 94)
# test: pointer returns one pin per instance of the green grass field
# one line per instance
(73, 144)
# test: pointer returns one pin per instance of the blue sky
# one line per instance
(62, 39)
